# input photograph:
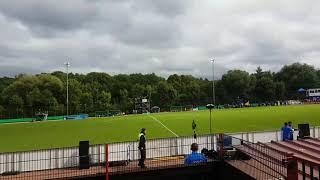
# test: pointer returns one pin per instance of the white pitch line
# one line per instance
(163, 125)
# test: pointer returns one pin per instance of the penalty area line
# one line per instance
(164, 125)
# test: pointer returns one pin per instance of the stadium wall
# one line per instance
(125, 151)
(50, 118)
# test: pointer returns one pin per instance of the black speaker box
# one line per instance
(84, 155)
(304, 130)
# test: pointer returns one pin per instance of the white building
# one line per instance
(313, 93)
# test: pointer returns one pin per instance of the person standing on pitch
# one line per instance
(194, 127)
(142, 147)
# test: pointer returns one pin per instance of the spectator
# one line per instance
(291, 131)
(195, 157)
(283, 130)
(287, 133)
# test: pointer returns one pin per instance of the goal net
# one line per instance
(181, 108)
(108, 113)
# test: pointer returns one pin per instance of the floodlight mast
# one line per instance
(213, 88)
(67, 64)
(211, 106)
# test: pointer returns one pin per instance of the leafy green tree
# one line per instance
(264, 89)
(138, 90)
(16, 103)
(124, 99)
(236, 84)
(297, 76)
(104, 101)
(97, 90)
(166, 94)
(280, 90)
(5, 82)
(2, 110)
(74, 96)
(86, 102)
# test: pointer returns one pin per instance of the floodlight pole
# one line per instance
(67, 66)
(213, 103)
(210, 123)
(213, 89)
(210, 107)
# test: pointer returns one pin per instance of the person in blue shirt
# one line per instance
(195, 157)
(291, 130)
(287, 133)
(284, 131)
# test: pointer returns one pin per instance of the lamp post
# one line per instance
(210, 107)
(67, 64)
(213, 91)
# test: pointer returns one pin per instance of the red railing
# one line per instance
(302, 169)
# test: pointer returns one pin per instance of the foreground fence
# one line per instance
(160, 154)
(50, 164)
(307, 169)
(123, 157)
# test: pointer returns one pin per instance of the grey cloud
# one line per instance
(165, 37)
(47, 17)
(138, 23)
(164, 7)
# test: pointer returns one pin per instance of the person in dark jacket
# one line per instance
(142, 147)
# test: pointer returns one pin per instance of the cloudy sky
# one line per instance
(161, 36)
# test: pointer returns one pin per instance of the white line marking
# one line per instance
(163, 125)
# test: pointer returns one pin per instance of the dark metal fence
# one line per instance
(307, 169)
(257, 159)
(160, 154)
(64, 163)
(51, 164)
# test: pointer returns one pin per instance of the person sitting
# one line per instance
(195, 157)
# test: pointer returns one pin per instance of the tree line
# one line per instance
(98, 91)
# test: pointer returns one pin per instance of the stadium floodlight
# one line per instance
(213, 89)
(67, 64)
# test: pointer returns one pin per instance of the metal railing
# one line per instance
(122, 158)
(257, 159)
(160, 154)
(51, 164)
(307, 169)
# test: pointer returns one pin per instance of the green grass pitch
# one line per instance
(53, 134)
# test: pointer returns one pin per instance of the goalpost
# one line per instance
(181, 108)
(189, 108)
(176, 108)
(108, 113)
